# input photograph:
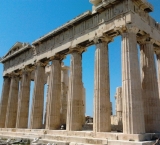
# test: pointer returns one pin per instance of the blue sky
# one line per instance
(27, 20)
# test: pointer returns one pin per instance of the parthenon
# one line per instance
(138, 100)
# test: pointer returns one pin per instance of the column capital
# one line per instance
(103, 38)
(157, 50)
(14, 74)
(145, 39)
(58, 56)
(27, 69)
(128, 29)
(6, 77)
(78, 48)
(40, 63)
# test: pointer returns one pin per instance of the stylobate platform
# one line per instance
(80, 137)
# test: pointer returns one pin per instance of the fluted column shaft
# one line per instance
(54, 95)
(23, 101)
(38, 98)
(4, 101)
(64, 94)
(150, 94)
(84, 104)
(75, 100)
(102, 109)
(119, 104)
(158, 66)
(48, 80)
(12, 103)
(133, 114)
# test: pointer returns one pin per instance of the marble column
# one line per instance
(48, 79)
(84, 104)
(133, 114)
(119, 105)
(36, 117)
(158, 67)
(75, 97)
(64, 93)
(54, 96)
(102, 108)
(23, 100)
(150, 94)
(4, 101)
(12, 103)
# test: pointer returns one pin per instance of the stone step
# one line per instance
(73, 138)
(120, 142)
(45, 141)
(77, 139)
(20, 135)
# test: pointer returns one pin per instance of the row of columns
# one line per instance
(139, 91)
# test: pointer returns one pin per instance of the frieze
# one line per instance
(145, 16)
(91, 22)
(18, 59)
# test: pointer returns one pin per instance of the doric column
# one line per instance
(4, 101)
(23, 100)
(150, 94)
(75, 97)
(54, 95)
(38, 97)
(133, 115)
(84, 104)
(12, 103)
(158, 67)
(47, 71)
(64, 93)
(119, 105)
(102, 108)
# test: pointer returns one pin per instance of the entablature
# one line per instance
(15, 50)
(81, 32)
(16, 56)
(101, 5)
(64, 27)
(144, 5)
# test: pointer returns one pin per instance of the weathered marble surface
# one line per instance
(38, 98)
(133, 113)
(23, 101)
(75, 96)
(11, 114)
(4, 101)
(102, 112)
(53, 121)
(150, 94)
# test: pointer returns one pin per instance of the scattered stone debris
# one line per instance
(35, 140)
(14, 141)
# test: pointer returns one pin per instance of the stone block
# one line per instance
(36, 143)
(129, 143)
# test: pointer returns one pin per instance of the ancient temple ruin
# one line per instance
(41, 62)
